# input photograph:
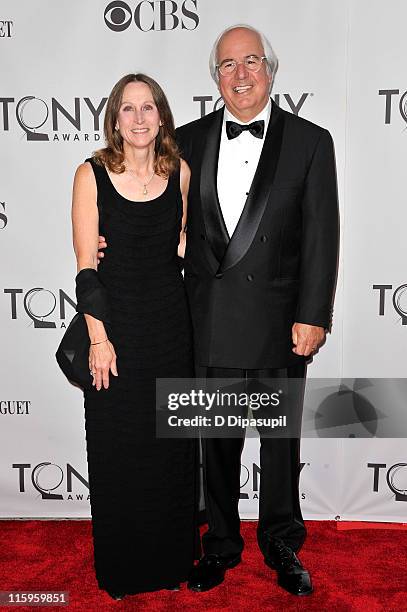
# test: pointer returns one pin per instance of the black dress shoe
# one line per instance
(291, 574)
(210, 571)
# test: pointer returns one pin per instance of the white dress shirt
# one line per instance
(237, 164)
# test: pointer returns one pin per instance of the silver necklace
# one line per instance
(145, 184)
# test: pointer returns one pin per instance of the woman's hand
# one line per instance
(102, 359)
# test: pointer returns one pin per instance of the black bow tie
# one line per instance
(234, 129)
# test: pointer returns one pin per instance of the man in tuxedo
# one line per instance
(260, 269)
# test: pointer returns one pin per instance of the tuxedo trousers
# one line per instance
(279, 505)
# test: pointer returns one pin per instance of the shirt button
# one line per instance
(246, 162)
(247, 193)
(263, 238)
(250, 277)
(219, 275)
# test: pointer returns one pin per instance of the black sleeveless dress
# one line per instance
(143, 490)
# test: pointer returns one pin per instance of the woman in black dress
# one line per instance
(142, 489)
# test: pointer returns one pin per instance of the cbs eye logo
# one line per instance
(118, 16)
(152, 15)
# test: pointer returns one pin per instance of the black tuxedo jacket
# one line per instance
(279, 267)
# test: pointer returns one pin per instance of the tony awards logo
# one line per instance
(250, 481)
(394, 99)
(45, 120)
(398, 298)
(39, 304)
(48, 478)
(396, 479)
(32, 113)
(292, 103)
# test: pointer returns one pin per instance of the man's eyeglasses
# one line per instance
(252, 62)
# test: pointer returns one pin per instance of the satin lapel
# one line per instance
(259, 192)
(216, 231)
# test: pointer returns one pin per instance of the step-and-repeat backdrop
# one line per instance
(342, 65)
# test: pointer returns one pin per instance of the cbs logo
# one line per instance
(151, 15)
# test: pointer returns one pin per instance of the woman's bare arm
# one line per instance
(85, 224)
(185, 176)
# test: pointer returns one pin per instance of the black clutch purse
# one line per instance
(73, 352)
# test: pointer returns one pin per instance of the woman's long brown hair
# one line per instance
(166, 151)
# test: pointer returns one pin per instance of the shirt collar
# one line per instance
(264, 114)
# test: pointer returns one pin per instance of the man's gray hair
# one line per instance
(272, 61)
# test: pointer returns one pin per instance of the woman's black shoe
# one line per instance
(173, 587)
(116, 596)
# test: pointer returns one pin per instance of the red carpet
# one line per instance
(359, 569)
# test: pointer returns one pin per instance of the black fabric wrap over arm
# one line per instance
(91, 295)
(73, 352)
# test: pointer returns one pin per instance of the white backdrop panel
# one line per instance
(68, 59)
(376, 215)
